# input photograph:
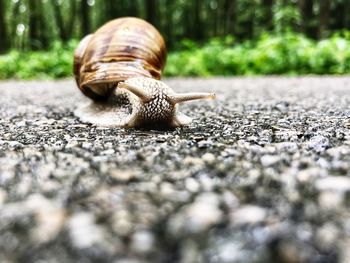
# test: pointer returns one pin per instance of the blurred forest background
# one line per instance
(204, 37)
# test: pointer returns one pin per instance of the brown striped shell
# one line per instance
(121, 49)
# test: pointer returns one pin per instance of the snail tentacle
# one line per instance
(182, 97)
(155, 103)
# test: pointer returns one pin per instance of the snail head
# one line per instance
(156, 104)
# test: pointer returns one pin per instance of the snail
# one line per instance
(119, 67)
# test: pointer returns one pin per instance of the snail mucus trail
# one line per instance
(119, 67)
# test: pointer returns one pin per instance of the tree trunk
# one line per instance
(59, 22)
(267, 14)
(15, 40)
(169, 30)
(37, 26)
(198, 32)
(186, 22)
(346, 14)
(151, 12)
(247, 25)
(131, 8)
(33, 25)
(339, 15)
(215, 19)
(307, 16)
(4, 41)
(85, 18)
(220, 24)
(230, 16)
(114, 7)
(323, 18)
(71, 21)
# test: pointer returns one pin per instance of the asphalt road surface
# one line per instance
(261, 175)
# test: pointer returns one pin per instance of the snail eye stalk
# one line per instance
(182, 97)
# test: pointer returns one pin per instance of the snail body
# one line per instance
(119, 67)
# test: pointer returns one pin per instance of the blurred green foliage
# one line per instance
(286, 53)
(54, 63)
(283, 53)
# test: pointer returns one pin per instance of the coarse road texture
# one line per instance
(261, 175)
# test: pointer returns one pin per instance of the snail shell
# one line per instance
(119, 67)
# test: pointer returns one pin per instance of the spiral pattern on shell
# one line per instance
(121, 49)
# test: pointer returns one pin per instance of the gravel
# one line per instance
(261, 175)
